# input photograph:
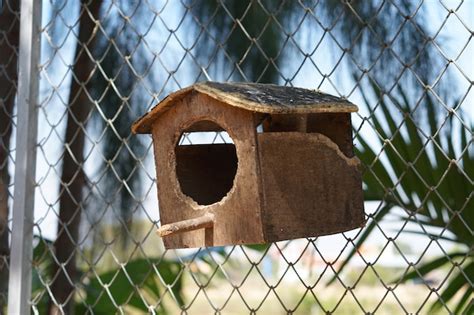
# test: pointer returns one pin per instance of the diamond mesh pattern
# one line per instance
(407, 64)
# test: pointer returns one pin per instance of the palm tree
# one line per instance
(121, 58)
(116, 109)
(388, 39)
(111, 83)
(251, 36)
(436, 194)
(72, 178)
(9, 37)
(389, 43)
(240, 40)
(252, 40)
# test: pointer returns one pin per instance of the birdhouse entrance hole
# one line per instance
(206, 162)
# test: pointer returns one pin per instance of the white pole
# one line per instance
(19, 290)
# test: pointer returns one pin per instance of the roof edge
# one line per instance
(144, 123)
(328, 107)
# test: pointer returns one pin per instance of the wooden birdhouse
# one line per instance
(289, 173)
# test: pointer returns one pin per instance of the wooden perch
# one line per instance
(205, 221)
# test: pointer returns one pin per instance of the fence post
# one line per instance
(19, 290)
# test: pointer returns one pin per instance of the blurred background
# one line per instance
(409, 67)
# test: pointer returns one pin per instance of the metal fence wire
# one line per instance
(101, 64)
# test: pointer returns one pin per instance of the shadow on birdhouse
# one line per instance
(287, 169)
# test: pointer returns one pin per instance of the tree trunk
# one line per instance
(72, 178)
(9, 35)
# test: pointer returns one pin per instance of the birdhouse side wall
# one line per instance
(335, 126)
(310, 187)
(237, 215)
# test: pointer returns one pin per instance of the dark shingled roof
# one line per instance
(256, 97)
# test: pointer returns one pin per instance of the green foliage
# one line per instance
(254, 40)
(259, 247)
(430, 178)
(41, 273)
(250, 33)
(136, 284)
(132, 285)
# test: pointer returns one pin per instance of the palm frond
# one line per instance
(431, 183)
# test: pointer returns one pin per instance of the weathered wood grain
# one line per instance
(254, 97)
(237, 215)
(296, 177)
(204, 221)
(310, 187)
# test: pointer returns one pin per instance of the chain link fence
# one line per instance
(406, 64)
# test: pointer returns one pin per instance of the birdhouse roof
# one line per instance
(255, 97)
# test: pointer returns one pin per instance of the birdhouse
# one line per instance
(290, 171)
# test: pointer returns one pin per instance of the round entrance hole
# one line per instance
(206, 162)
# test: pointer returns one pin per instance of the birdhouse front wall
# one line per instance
(237, 215)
